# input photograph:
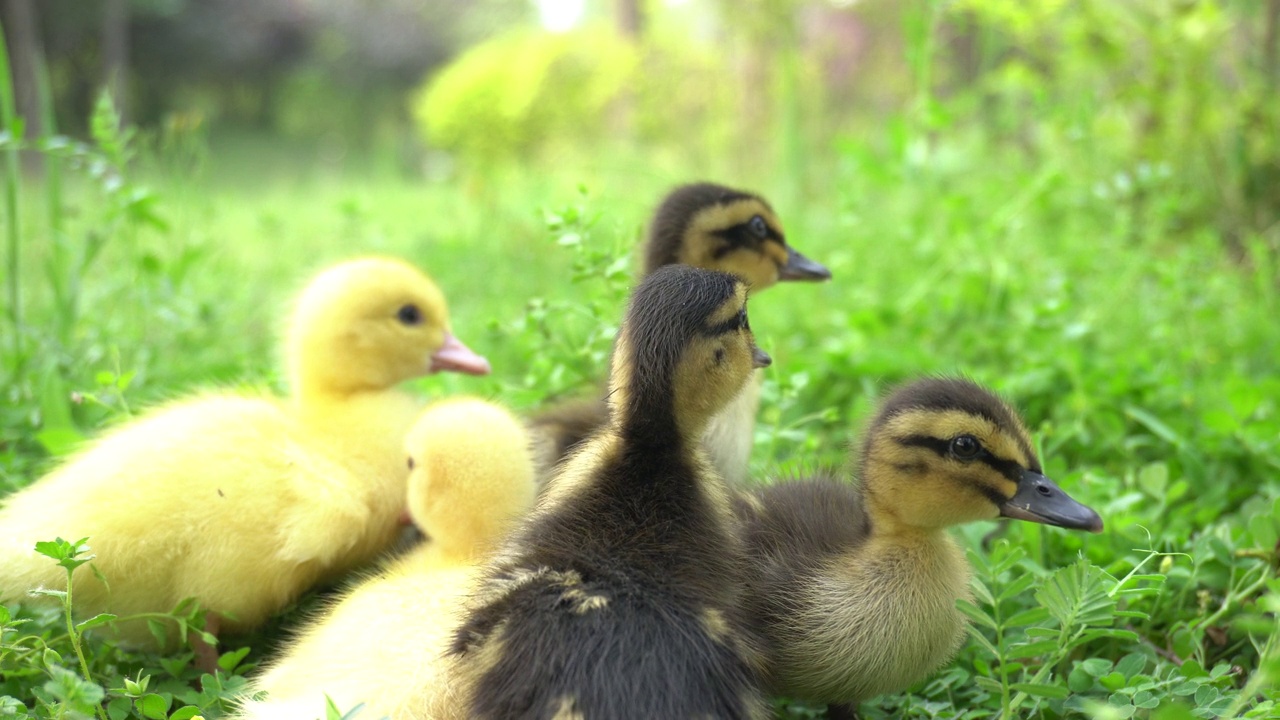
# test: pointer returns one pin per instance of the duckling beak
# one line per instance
(799, 267)
(456, 357)
(760, 358)
(1040, 500)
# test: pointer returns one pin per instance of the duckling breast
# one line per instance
(872, 621)
(731, 433)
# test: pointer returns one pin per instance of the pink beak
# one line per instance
(404, 518)
(455, 356)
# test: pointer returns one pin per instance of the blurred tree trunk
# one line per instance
(19, 18)
(630, 22)
(115, 52)
(630, 18)
(1269, 60)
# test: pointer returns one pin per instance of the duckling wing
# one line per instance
(212, 497)
(802, 522)
(324, 515)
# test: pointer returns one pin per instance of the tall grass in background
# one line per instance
(50, 265)
(1083, 222)
(8, 113)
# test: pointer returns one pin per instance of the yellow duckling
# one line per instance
(620, 597)
(471, 479)
(717, 228)
(245, 501)
(855, 586)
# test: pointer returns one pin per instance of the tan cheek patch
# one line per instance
(696, 381)
(700, 253)
(776, 253)
(933, 504)
(758, 270)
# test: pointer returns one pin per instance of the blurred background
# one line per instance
(1176, 94)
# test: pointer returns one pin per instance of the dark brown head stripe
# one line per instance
(961, 395)
(1010, 469)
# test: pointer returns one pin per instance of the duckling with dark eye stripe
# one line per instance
(717, 228)
(621, 596)
(855, 586)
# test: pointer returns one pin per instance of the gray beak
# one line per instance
(760, 358)
(799, 267)
(1040, 500)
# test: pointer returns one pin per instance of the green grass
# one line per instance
(1140, 344)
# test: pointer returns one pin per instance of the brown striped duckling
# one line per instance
(717, 228)
(855, 585)
(619, 599)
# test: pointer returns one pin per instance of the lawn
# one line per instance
(1140, 343)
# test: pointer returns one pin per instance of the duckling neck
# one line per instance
(317, 389)
(656, 429)
(886, 526)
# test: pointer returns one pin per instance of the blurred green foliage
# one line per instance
(501, 97)
(1175, 97)
(527, 90)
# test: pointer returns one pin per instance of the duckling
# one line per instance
(717, 228)
(855, 586)
(619, 596)
(471, 476)
(243, 501)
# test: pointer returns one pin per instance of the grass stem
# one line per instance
(12, 124)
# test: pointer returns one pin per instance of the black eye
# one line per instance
(965, 447)
(742, 320)
(757, 227)
(410, 463)
(409, 315)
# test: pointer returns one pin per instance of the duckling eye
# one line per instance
(410, 463)
(409, 315)
(758, 227)
(965, 447)
(743, 324)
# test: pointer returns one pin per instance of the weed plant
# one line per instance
(1136, 332)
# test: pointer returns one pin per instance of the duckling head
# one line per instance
(684, 351)
(718, 228)
(368, 324)
(945, 451)
(471, 475)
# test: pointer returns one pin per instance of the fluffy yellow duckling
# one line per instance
(472, 478)
(245, 501)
